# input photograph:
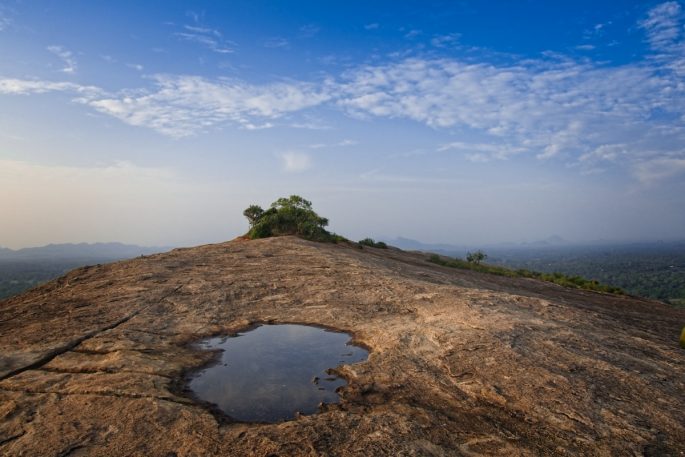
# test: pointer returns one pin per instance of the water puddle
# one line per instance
(272, 372)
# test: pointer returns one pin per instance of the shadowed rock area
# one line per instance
(461, 363)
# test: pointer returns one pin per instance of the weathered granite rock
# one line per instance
(462, 363)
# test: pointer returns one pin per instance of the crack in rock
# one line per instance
(50, 355)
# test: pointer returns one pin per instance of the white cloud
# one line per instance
(25, 87)
(549, 107)
(372, 26)
(585, 47)
(590, 115)
(663, 25)
(184, 105)
(135, 66)
(295, 162)
(66, 56)
(181, 106)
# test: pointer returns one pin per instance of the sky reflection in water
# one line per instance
(270, 373)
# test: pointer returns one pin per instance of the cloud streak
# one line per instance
(66, 56)
(10, 86)
(662, 25)
(210, 38)
(276, 43)
(180, 106)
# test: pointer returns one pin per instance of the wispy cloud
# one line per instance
(295, 162)
(11, 86)
(445, 41)
(5, 20)
(483, 152)
(339, 144)
(180, 106)
(372, 26)
(309, 122)
(664, 29)
(379, 175)
(309, 30)
(650, 171)
(587, 115)
(662, 25)
(183, 105)
(210, 38)
(66, 56)
(203, 30)
(413, 33)
(597, 30)
(276, 42)
(550, 108)
(605, 153)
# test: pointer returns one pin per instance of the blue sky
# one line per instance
(462, 122)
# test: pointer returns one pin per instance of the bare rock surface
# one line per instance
(461, 363)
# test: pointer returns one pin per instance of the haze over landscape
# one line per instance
(157, 123)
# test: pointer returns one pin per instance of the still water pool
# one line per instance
(270, 373)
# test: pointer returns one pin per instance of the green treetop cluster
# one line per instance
(288, 216)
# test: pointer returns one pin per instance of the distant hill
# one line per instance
(79, 251)
(23, 269)
(461, 250)
(650, 269)
(415, 245)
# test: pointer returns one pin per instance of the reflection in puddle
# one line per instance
(270, 373)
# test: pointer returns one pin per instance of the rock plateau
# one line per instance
(461, 363)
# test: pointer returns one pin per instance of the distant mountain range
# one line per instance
(452, 249)
(552, 242)
(82, 251)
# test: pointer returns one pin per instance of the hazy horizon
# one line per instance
(542, 243)
(156, 124)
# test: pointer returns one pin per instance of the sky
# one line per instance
(462, 122)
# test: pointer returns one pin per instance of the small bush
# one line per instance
(335, 238)
(476, 257)
(373, 244)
